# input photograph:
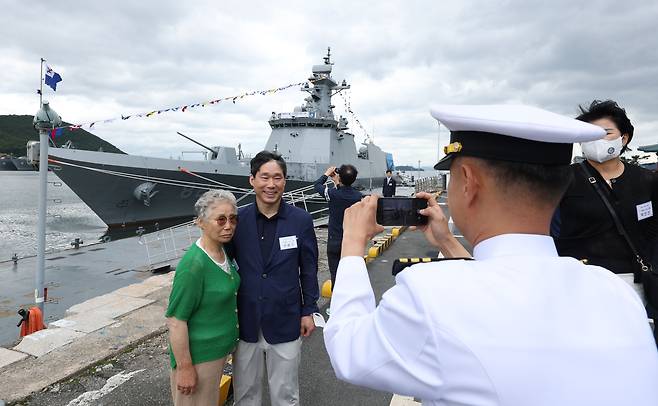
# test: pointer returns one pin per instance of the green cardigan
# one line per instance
(205, 297)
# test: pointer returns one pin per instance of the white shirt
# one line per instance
(517, 326)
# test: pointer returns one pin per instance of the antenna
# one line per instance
(327, 59)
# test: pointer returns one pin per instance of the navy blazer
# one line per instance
(274, 295)
(388, 188)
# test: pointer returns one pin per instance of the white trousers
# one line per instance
(282, 364)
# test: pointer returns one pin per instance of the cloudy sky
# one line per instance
(125, 57)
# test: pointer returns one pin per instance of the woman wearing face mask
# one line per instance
(583, 226)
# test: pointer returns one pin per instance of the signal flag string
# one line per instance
(56, 132)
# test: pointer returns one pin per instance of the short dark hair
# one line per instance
(388, 171)
(264, 157)
(347, 174)
(543, 183)
(611, 110)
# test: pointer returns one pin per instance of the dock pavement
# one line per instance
(48, 366)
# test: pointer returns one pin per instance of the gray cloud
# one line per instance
(400, 57)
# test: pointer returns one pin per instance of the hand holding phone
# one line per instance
(401, 211)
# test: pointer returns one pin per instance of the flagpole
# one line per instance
(41, 84)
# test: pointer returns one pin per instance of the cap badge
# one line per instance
(452, 148)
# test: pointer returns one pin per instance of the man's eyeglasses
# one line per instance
(221, 220)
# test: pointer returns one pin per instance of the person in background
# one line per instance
(338, 199)
(582, 226)
(518, 325)
(202, 311)
(388, 189)
(277, 255)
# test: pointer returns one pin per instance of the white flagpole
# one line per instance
(41, 84)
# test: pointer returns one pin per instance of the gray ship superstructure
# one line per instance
(129, 190)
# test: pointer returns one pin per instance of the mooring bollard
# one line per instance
(77, 243)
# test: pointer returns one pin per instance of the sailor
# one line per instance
(518, 325)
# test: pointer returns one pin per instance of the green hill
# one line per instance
(16, 131)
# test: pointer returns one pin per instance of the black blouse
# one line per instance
(583, 227)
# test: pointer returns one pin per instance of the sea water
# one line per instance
(67, 217)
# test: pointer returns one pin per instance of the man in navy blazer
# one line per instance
(277, 255)
(388, 188)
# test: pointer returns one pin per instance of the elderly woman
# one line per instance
(583, 226)
(202, 313)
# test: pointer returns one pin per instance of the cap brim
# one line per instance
(444, 163)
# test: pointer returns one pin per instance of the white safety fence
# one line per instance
(169, 244)
(431, 184)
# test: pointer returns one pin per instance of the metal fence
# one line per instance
(431, 184)
(169, 244)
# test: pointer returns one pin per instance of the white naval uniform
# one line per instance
(518, 326)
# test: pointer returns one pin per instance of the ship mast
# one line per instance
(324, 87)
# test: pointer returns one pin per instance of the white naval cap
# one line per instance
(511, 133)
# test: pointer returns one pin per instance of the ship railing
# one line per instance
(169, 244)
(308, 195)
(302, 195)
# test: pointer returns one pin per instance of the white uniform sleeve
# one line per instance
(388, 347)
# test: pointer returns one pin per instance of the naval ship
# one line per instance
(135, 191)
(10, 163)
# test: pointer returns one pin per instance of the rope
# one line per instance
(194, 185)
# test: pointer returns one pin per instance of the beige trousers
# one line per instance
(209, 374)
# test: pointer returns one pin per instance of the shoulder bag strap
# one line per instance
(620, 227)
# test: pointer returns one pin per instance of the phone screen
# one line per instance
(400, 211)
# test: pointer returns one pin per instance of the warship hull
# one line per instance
(128, 192)
(15, 164)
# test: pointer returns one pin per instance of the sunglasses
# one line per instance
(221, 220)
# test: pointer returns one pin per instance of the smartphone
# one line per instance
(400, 211)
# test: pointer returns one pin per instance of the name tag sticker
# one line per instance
(290, 242)
(644, 210)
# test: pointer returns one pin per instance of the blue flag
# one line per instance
(52, 78)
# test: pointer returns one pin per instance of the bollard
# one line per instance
(326, 288)
(77, 243)
(31, 321)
